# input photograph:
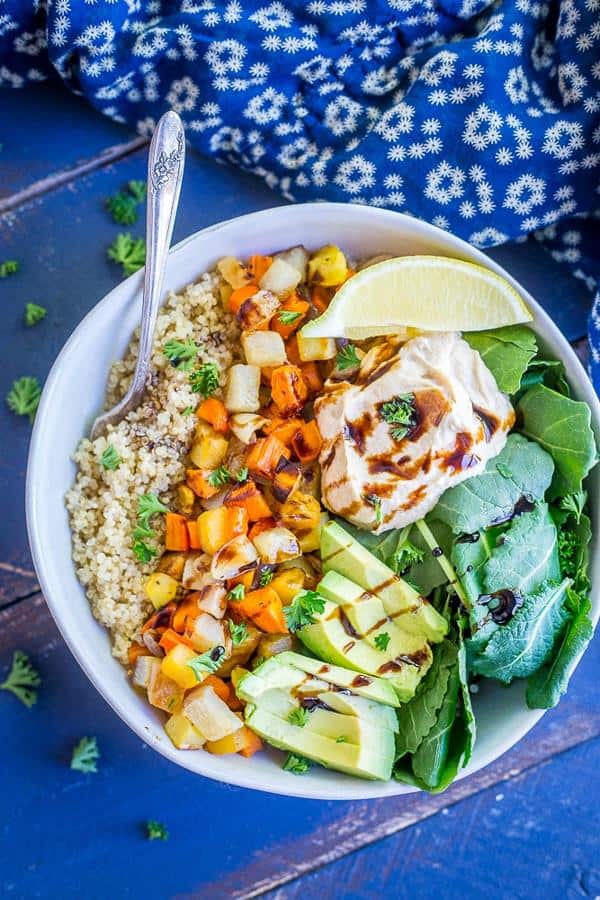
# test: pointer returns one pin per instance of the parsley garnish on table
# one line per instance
(123, 206)
(86, 755)
(24, 396)
(298, 765)
(156, 831)
(22, 680)
(34, 314)
(128, 252)
(9, 267)
(400, 414)
(347, 357)
(181, 354)
(301, 611)
(205, 380)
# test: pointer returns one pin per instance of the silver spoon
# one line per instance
(165, 172)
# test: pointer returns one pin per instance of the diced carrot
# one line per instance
(283, 429)
(136, 650)
(288, 389)
(321, 297)
(247, 496)
(312, 377)
(258, 265)
(213, 411)
(218, 526)
(176, 536)
(264, 608)
(192, 527)
(198, 482)
(307, 442)
(246, 578)
(264, 455)
(241, 294)
(170, 639)
(252, 743)
(292, 353)
(261, 525)
(186, 610)
(293, 304)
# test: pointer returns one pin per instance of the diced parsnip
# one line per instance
(164, 693)
(213, 600)
(217, 527)
(234, 557)
(297, 257)
(277, 545)
(209, 451)
(245, 425)
(233, 743)
(263, 348)
(288, 583)
(233, 272)
(209, 714)
(257, 310)
(243, 386)
(183, 734)
(196, 573)
(240, 653)
(280, 277)
(205, 632)
(328, 266)
(272, 644)
(160, 589)
(172, 564)
(146, 667)
(315, 348)
(185, 499)
(175, 666)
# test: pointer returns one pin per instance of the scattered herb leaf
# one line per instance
(298, 765)
(123, 208)
(22, 680)
(143, 551)
(9, 267)
(205, 380)
(239, 632)
(237, 593)
(265, 577)
(182, 354)
(242, 475)
(206, 662)
(155, 831)
(347, 357)
(219, 477)
(375, 502)
(382, 640)
(34, 314)
(148, 506)
(137, 189)
(298, 716)
(24, 396)
(400, 414)
(128, 252)
(187, 411)
(574, 503)
(288, 317)
(85, 755)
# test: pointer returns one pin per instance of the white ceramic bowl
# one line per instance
(66, 412)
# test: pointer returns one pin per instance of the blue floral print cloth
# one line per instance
(481, 117)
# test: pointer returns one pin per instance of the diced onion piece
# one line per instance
(257, 310)
(310, 349)
(243, 386)
(209, 714)
(264, 348)
(280, 277)
(235, 557)
(213, 600)
(277, 545)
(245, 425)
(183, 734)
(205, 632)
(196, 573)
(297, 257)
(233, 272)
(143, 670)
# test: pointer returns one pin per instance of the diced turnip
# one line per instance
(264, 348)
(245, 425)
(236, 556)
(310, 349)
(209, 714)
(183, 734)
(143, 670)
(213, 600)
(206, 632)
(233, 272)
(297, 257)
(277, 545)
(163, 692)
(242, 392)
(196, 574)
(281, 277)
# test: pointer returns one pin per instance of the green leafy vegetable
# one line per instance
(110, 459)
(34, 314)
(400, 414)
(182, 354)
(238, 631)
(22, 680)
(9, 267)
(382, 640)
(550, 372)
(24, 396)
(187, 411)
(562, 427)
(574, 503)
(417, 717)
(219, 477)
(206, 662)
(298, 716)
(527, 555)
(137, 189)
(123, 208)
(237, 593)
(347, 357)
(128, 252)
(491, 497)
(288, 317)
(85, 755)
(298, 765)
(205, 380)
(155, 831)
(405, 556)
(302, 609)
(506, 352)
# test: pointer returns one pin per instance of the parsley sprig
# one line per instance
(375, 502)
(301, 610)
(22, 680)
(237, 593)
(298, 716)
(238, 631)
(148, 506)
(288, 316)
(382, 640)
(128, 252)
(219, 477)
(9, 267)
(205, 380)
(85, 755)
(347, 357)
(574, 504)
(156, 831)
(298, 765)
(34, 314)
(110, 459)
(123, 206)
(206, 662)
(400, 414)
(24, 396)
(265, 577)
(182, 354)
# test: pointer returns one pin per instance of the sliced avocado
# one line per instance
(369, 758)
(351, 705)
(341, 553)
(343, 677)
(345, 729)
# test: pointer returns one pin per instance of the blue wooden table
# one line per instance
(525, 827)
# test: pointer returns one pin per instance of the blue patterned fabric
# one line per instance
(482, 117)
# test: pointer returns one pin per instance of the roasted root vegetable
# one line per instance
(307, 442)
(277, 545)
(209, 448)
(163, 692)
(192, 529)
(196, 571)
(187, 609)
(245, 426)
(209, 714)
(175, 666)
(312, 377)
(185, 499)
(257, 311)
(213, 411)
(160, 589)
(290, 316)
(288, 583)
(213, 600)
(258, 265)
(301, 513)
(243, 741)
(263, 348)
(172, 564)
(284, 429)
(197, 481)
(216, 527)
(242, 391)
(239, 296)
(328, 266)
(240, 653)
(297, 257)
(272, 644)
(206, 632)
(237, 556)
(281, 277)
(286, 480)
(176, 533)
(171, 638)
(253, 743)
(310, 349)
(264, 457)
(183, 734)
(288, 390)
(233, 272)
(145, 668)
(247, 496)
(264, 608)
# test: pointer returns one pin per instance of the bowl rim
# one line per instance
(349, 788)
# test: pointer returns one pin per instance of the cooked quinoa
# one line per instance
(152, 443)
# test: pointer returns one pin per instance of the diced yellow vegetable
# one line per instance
(263, 348)
(225, 292)
(276, 545)
(315, 348)
(288, 583)
(233, 272)
(160, 589)
(328, 266)
(237, 673)
(209, 714)
(243, 386)
(183, 734)
(233, 743)
(164, 693)
(209, 451)
(175, 666)
(185, 499)
(301, 513)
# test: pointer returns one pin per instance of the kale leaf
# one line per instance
(527, 554)
(507, 352)
(417, 717)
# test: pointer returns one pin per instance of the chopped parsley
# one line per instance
(123, 208)
(288, 317)
(382, 640)
(239, 632)
(265, 577)
(187, 411)
(342, 739)
(110, 459)
(34, 314)
(142, 551)
(574, 504)
(156, 831)
(22, 680)
(137, 189)
(206, 662)
(148, 506)
(237, 593)
(300, 611)
(205, 380)
(298, 716)
(24, 396)
(8, 268)
(182, 354)
(375, 502)
(219, 477)
(128, 252)
(298, 765)
(347, 357)
(400, 414)
(242, 475)
(406, 555)
(85, 755)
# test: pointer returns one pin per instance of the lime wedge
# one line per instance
(429, 293)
